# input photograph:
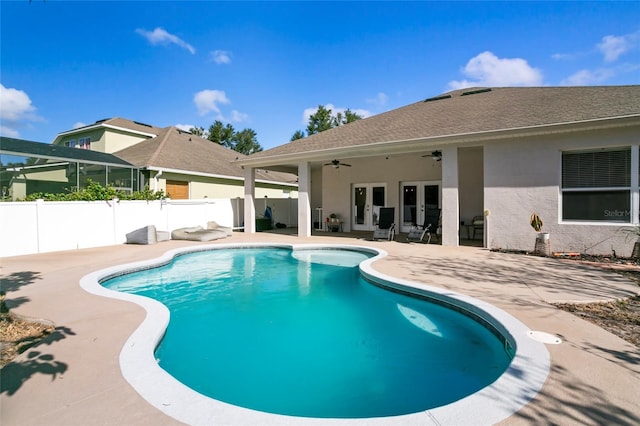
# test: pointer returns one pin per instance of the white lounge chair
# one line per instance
(197, 233)
(212, 224)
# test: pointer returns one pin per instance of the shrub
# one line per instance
(94, 192)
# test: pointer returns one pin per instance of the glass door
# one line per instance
(367, 200)
(416, 198)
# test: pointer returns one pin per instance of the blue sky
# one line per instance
(268, 65)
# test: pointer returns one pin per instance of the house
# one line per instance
(182, 165)
(28, 167)
(570, 154)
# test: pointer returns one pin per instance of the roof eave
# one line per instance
(214, 175)
(103, 125)
(408, 146)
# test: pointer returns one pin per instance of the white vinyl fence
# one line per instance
(47, 226)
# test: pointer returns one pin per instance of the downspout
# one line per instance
(156, 178)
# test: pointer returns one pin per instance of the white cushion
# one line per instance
(145, 235)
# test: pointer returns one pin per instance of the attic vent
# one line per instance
(473, 92)
(438, 98)
(143, 124)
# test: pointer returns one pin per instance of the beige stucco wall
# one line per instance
(391, 170)
(114, 140)
(471, 183)
(96, 135)
(316, 190)
(525, 176)
(210, 187)
(108, 141)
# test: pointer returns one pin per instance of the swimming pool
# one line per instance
(406, 309)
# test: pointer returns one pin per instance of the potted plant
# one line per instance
(542, 240)
(334, 222)
(536, 223)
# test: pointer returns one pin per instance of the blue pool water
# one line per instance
(302, 333)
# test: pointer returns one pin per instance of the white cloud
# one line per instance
(15, 110)
(208, 100)
(185, 127)
(162, 37)
(380, 99)
(238, 116)
(562, 56)
(78, 124)
(8, 132)
(14, 104)
(308, 112)
(587, 77)
(487, 69)
(612, 47)
(220, 56)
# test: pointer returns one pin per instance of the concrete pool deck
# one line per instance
(74, 377)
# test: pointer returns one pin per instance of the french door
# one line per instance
(367, 198)
(417, 197)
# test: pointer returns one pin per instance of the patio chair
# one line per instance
(477, 224)
(386, 228)
(429, 227)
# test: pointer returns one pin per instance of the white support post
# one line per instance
(450, 197)
(304, 200)
(249, 200)
(635, 185)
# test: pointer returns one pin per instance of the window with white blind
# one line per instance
(596, 185)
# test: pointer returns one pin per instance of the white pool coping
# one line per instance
(518, 385)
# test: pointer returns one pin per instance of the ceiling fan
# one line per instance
(336, 164)
(435, 155)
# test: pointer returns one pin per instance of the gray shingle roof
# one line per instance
(179, 150)
(474, 110)
(120, 122)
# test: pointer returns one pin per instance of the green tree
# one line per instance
(246, 142)
(324, 119)
(320, 121)
(299, 134)
(348, 117)
(221, 134)
(198, 131)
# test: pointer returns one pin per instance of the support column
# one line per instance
(450, 200)
(635, 185)
(304, 200)
(249, 200)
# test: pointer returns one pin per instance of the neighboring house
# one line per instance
(28, 167)
(570, 154)
(183, 165)
(108, 135)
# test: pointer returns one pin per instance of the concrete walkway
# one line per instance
(73, 377)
